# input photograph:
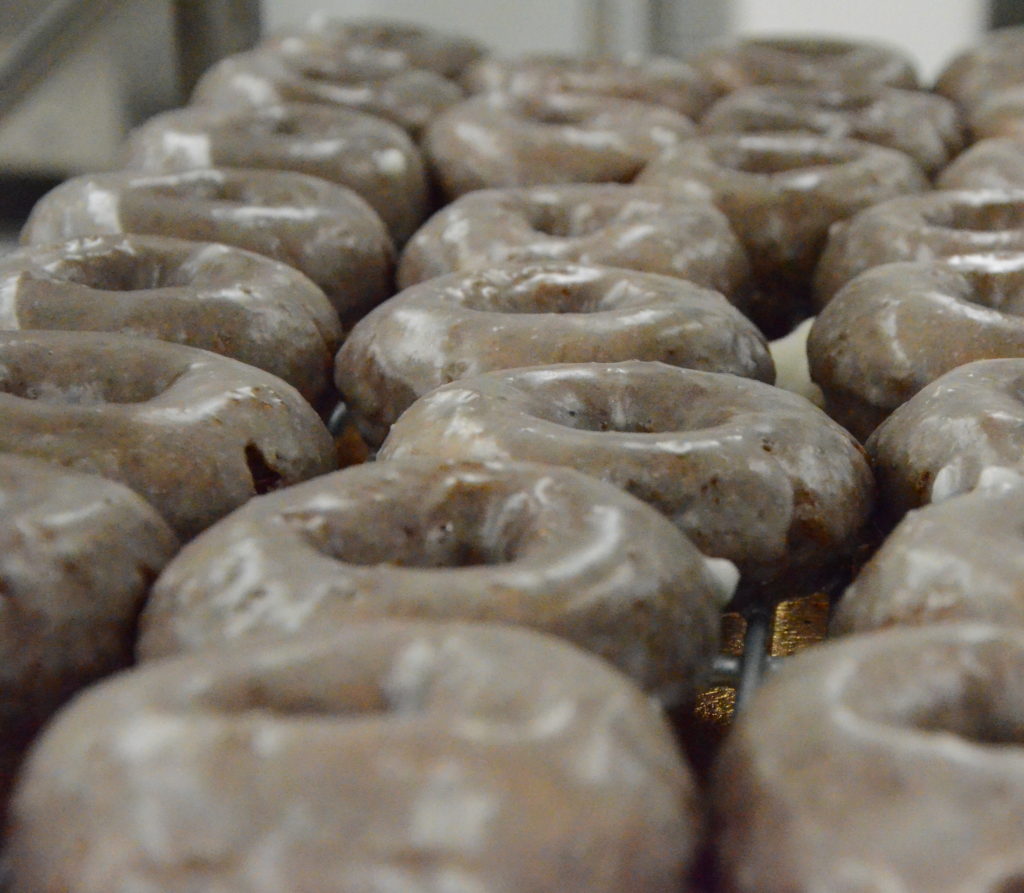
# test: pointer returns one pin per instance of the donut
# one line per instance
(940, 442)
(77, 555)
(323, 230)
(512, 542)
(383, 756)
(992, 64)
(960, 559)
(989, 164)
(934, 226)
(925, 127)
(895, 328)
(193, 433)
(369, 155)
(384, 42)
(823, 62)
(607, 223)
(659, 80)
(207, 295)
(749, 472)
(889, 761)
(409, 98)
(519, 314)
(500, 140)
(782, 193)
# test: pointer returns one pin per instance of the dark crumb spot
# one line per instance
(265, 477)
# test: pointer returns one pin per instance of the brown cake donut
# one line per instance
(749, 472)
(323, 230)
(607, 223)
(895, 328)
(384, 42)
(992, 64)
(501, 140)
(659, 80)
(782, 193)
(934, 226)
(369, 155)
(77, 554)
(526, 314)
(195, 434)
(925, 127)
(960, 559)
(207, 295)
(888, 762)
(513, 542)
(385, 756)
(824, 62)
(989, 164)
(410, 98)
(940, 442)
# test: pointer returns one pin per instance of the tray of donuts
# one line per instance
(415, 460)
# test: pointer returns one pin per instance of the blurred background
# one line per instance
(75, 75)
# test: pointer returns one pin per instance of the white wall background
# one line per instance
(931, 31)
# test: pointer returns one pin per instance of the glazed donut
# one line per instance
(410, 98)
(994, 63)
(501, 140)
(989, 164)
(77, 554)
(889, 762)
(925, 127)
(940, 442)
(935, 226)
(823, 62)
(207, 295)
(960, 559)
(323, 230)
(749, 472)
(518, 543)
(193, 433)
(895, 328)
(369, 155)
(782, 193)
(384, 756)
(659, 80)
(518, 314)
(398, 44)
(607, 223)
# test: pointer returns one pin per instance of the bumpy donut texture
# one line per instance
(884, 762)
(988, 164)
(322, 229)
(895, 328)
(751, 473)
(202, 294)
(369, 155)
(516, 314)
(401, 756)
(410, 98)
(500, 140)
(608, 223)
(782, 193)
(933, 226)
(940, 442)
(194, 433)
(77, 555)
(925, 127)
(659, 80)
(384, 42)
(992, 64)
(960, 559)
(518, 543)
(823, 62)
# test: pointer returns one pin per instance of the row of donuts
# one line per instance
(667, 838)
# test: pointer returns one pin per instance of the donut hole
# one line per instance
(977, 720)
(265, 478)
(287, 696)
(987, 216)
(569, 290)
(119, 270)
(808, 49)
(768, 159)
(996, 283)
(81, 384)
